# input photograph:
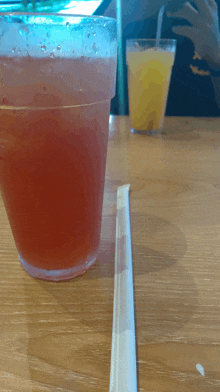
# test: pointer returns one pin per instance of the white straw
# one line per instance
(159, 24)
(123, 375)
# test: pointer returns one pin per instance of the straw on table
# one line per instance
(123, 374)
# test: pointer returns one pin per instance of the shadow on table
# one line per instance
(163, 287)
(82, 342)
(163, 292)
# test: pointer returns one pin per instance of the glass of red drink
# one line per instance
(57, 78)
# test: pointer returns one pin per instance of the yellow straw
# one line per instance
(120, 68)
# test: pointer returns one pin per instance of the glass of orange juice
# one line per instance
(150, 65)
(57, 79)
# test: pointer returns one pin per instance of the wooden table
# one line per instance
(57, 336)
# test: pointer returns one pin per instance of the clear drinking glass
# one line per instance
(57, 79)
(149, 73)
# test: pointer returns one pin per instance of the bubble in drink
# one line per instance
(94, 47)
(23, 30)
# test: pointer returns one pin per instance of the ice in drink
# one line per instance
(53, 145)
(149, 75)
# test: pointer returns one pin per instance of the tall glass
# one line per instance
(57, 79)
(149, 73)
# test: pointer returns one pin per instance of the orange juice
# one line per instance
(149, 75)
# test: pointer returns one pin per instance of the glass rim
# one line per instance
(151, 39)
(57, 15)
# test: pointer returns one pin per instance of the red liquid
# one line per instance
(52, 173)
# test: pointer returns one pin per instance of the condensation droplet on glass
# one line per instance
(23, 30)
(94, 33)
(48, 35)
(52, 56)
(88, 35)
(13, 50)
(43, 48)
(67, 24)
(58, 47)
(94, 47)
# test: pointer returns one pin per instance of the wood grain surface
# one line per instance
(56, 337)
